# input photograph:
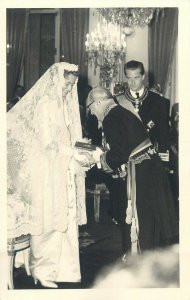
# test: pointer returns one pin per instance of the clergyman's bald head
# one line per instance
(98, 93)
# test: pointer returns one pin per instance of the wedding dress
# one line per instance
(45, 182)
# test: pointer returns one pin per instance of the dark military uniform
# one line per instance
(154, 112)
(124, 132)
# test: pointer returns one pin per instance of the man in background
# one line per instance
(151, 106)
(19, 93)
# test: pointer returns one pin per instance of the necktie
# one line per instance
(137, 102)
(137, 94)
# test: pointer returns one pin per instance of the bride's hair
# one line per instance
(67, 73)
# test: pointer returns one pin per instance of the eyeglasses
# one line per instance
(90, 104)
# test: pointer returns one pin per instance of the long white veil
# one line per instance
(26, 122)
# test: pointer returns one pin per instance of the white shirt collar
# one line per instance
(133, 93)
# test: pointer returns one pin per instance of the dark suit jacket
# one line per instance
(154, 112)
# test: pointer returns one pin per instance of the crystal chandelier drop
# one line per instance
(106, 45)
(106, 48)
(127, 17)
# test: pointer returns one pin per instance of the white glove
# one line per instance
(84, 158)
(96, 155)
(81, 158)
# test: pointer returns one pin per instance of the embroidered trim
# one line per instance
(142, 157)
(164, 156)
(141, 98)
(136, 102)
(150, 125)
(127, 105)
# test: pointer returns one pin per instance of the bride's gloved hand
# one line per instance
(84, 158)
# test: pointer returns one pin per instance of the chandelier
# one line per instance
(106, 45)
(128, 17)
(106, 48)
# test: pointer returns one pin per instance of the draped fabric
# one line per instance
(17, 26)
(171, 91)
(42, 129)
(162, 44)
(74, 27)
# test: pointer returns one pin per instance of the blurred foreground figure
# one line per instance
(153, 269)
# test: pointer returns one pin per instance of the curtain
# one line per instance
(41, 47)
(162, 43)
(74, 27)
(17, 24)
(171, 91)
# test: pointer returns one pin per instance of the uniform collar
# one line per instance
(133, 93)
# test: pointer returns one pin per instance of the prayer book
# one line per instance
(85, 146)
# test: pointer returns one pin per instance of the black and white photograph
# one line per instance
(95, 150)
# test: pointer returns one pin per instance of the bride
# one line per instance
(42, 169)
